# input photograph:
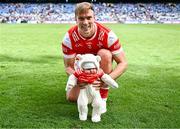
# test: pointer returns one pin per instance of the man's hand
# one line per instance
(104, 85)
(97, 84)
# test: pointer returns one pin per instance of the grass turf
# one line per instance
(32, 79)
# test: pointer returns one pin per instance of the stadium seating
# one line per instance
(64, 13)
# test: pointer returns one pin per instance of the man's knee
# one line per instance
(106, 60)
(105, 55)
(71, 98)
(72, 95)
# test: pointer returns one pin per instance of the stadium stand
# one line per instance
(107, 12)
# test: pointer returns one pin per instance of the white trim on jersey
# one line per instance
(67, 41)
(117, 51)
(112, 38)
(75, 36)
(69, 56)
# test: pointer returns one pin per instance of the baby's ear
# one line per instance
(98, 58)
(78, 56)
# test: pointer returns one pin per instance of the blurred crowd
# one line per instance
(105, 12)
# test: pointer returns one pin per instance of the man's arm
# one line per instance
(71, 94)
(69, 65)
(121, 65)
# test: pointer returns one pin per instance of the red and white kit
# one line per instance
(73, 44)
(104, 38)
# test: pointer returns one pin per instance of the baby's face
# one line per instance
(92, 71)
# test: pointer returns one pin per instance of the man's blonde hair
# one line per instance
(83, 8)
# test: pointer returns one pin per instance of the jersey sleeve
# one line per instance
(114, 44)
(67, 49)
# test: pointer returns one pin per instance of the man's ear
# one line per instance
(75, 18)
(98, 58)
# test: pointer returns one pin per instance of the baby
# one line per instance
(87, 70)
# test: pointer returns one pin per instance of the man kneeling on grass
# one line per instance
(88, 36)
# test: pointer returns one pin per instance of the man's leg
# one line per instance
(106, 65)
(72, 94)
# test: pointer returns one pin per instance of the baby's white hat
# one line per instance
(87, 61)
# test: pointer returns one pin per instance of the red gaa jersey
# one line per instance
(73, 43)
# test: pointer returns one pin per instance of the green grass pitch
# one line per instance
(32, 79)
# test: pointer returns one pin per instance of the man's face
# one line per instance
(85, 22)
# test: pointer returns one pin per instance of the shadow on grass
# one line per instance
(35, 101)
(38, 59)
(41, 98)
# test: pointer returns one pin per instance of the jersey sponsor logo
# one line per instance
(78, 45)
(89, 45)
(112, 38)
